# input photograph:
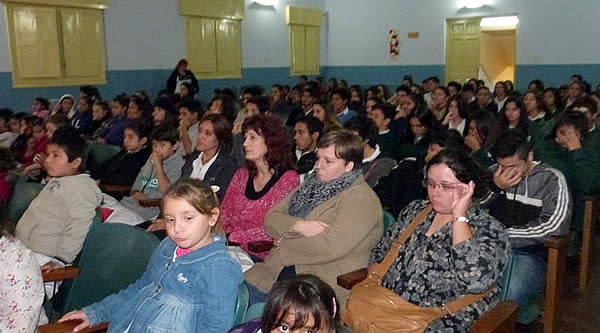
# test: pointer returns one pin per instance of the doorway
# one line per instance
(478, 49)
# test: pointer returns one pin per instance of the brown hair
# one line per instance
(198, 194)
(348, 146)
(222, 129)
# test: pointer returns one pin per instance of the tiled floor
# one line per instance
(579, 312)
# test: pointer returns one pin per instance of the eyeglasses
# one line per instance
(444, 187)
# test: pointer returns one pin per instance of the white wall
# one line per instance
(142, 34)
(549, 32)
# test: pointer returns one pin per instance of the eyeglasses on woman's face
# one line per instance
(444, 187)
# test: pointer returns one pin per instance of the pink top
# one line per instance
(243, 218)
(181, 252)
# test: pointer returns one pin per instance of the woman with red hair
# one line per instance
(268, 177)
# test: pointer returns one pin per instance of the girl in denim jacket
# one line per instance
(191, 283)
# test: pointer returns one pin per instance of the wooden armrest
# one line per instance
(556, 242)
(68, 326)
(150, 203)
(348, 280)
(260, 246)
(60, 274)
(125, 189)
(502, 318)
(591, 197)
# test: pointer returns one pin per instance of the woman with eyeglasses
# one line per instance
(457, 250)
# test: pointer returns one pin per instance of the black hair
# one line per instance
(465, 169)
(313, 125)
(557, 99)
(166, 103)
(122, 99)
(432, 78)
(304, 77)
(165, 133)
(365, 127)
(481, 88)
(91, 92)
(507, 83)
(253, 90)
(586, 102)
(227, 108)
(488, 127)
(523, 124)
(278, 86)
(404, 88)
(312, 91)
(576, 119)
(19, 115)
(426, 118)
(188, 86)
(142, 104)
(456, 86)
(37, 122)
(261, 102)
(141, 128)
(297, 87)
(89, 100)
(309, 297)
(468, 87)
(59, 120)
(538, 83)
(44, 102)
(451, 139)
(578, 77)
(225, 92)
(388, 110)
(509, 144)
(69, 140)
(408, 78)
(6, 114)
(193, 105)
(342, 92)
(463, 107)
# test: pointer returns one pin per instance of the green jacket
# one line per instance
(540, 128)
(580, 169)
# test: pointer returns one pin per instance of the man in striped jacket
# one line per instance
(533, 201)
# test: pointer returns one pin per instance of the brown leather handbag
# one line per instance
(372, 308)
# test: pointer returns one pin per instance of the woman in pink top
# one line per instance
(268, 177)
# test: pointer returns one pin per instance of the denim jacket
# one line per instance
(196, 292)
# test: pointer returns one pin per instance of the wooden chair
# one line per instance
(589, 219)
(501, 319)
(555, 272)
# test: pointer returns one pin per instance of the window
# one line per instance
(58, 44)
(305, 28)
(213, 37)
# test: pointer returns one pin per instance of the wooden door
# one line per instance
(462, 49)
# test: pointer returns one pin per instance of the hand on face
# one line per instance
(573, 141)
(506, 177)
(462, 198)
(472, 142)
(156, 157)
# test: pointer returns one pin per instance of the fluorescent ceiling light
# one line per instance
(502, 21)
(265, 2)
(475, 3)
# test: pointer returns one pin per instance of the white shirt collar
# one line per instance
(346, 110)
(374, 156)
(199, 170)
(539, 116)
(384, 132)
(461, 126)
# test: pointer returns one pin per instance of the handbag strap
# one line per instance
(381, 269)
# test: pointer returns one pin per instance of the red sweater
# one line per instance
(245, 218)
(6, 189)
(38, 147)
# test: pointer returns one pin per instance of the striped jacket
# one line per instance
(539, 206)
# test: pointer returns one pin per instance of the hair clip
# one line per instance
(334, 307)
(215, 188)
(581, 109)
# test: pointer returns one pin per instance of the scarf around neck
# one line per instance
(314, 192)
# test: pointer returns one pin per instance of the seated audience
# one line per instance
(113, 133)
(21, 284)
(532, 200)
(308, 97)
(484, 129)
(457, 115)
(439, 103)
(514, 117)
(197, 290)
(211, 161)
(552, 102)
(100, 117)
(303, 303)
(7, 163)
(248, 93)
(190, 112)
(320, 109)
(414, 144)
(162, 168)
(279, 105)
(539, 126)
(164, 112)
(124, 167)
(20, 145)
(7, 136)
(468, 93)
(40, 108)
(375, 164)
(326, 227)
(222, 104)
(589, 108)
(56, 223)
(66, 106)
(138, 108)
(404, 184)
(307, 132)
(267, 178)
(435, 264)
(500, 94)
(339, 104)
(482, 101)
(82, 120)
(254, 106)
(575, 90)
(383, 116)
(36, 144)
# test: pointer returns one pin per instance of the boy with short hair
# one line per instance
(382, 116)
(162, 168)
(57, 222)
